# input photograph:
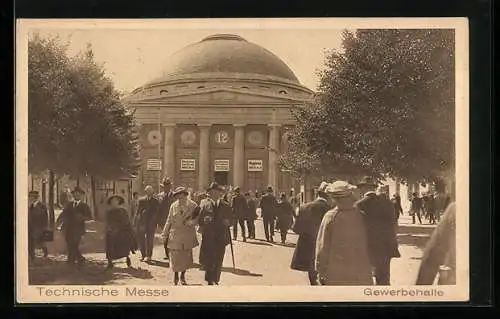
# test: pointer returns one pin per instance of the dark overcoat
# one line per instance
(381, 227)
(120, 239)
(147, 213)
(268, 204)
(240, 206)
(285, 212)
(165, 201)
(215, 235)
(73, 218)
(38, 220)
(307, 226)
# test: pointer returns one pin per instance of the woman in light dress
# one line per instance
(180, 232)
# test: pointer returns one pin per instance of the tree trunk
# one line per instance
(94, 203)
(51, 199)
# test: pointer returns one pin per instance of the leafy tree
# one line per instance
(385, 106)
(78, 123)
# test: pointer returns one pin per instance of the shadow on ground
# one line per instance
(240, 272)
(417, 240)
(55, 271)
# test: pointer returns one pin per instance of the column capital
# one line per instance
(169, 124)
(204, 125)
(239, 125)
(274, 125)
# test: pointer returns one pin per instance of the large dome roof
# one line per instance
(226, 53)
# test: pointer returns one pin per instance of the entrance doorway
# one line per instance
(221, 178)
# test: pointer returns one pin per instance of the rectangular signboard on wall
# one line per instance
(188, 164)
(153, 164)
(255, 165)
(221, 165)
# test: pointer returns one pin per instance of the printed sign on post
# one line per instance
(153, 164)
(188, 164)
(255, 166)
(221, 166)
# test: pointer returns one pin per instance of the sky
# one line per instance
(133, 57)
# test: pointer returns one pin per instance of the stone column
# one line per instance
(169, 151)
(274, 145)
(239, 155)
(204, 162)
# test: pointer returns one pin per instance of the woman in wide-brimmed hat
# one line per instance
(180, 232)
(341, 246)
(120, 239)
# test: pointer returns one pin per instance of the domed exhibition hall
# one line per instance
(217, 112)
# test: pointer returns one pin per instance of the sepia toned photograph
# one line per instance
(285, 160)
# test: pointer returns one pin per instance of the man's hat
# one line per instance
(368, 181)
(269, 189)
(77, 189)
(33, 193)
(121, 200)
(237, 189)
(340, 189)
(180, 190)
(323, 186)
(166, 181)
(215, 186)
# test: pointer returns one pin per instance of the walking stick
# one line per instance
(232, 249)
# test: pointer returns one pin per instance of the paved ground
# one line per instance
(257, 262)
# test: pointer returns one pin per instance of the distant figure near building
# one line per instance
(251, 214)
(398, 209)
(439, 256)
(120, 238)
(307, 226)
(416, 208)
(72, 223)
(285, 216)
(342, 247)
(146, 221)
(381, 229)
(268, 205)
(38, 221)
(215, 219)
(240, 209)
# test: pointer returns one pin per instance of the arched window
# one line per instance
(163, 92)
(283, 92)
(201, 87)
(244, 87)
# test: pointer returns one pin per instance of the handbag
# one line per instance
(47, 235)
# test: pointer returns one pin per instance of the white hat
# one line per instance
(323, 187)
(340, 189)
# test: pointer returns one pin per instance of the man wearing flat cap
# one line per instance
(38, 220)
(268, 205)
(73, 219)
(381, 229)
(307, 227)
(214, 220)
(166, 198)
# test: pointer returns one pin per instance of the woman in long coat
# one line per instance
(120, 239)
(180, 232)
(341, 247)
(285, 216)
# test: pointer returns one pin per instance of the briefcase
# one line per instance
(47, 235)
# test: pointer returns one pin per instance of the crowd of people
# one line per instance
(346, 236)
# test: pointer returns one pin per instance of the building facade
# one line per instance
(219, 112)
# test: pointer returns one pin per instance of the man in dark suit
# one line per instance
(251, 214)
(268, 204)
(73, 219)
(240, 210)
(38, 220)
(214, 220)
(166, 198)
(307, 227)
(146, 221)
(381, 229)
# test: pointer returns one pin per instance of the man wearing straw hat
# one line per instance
(72, 221)
(381, 229)
(307, 226)
(341, 247)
